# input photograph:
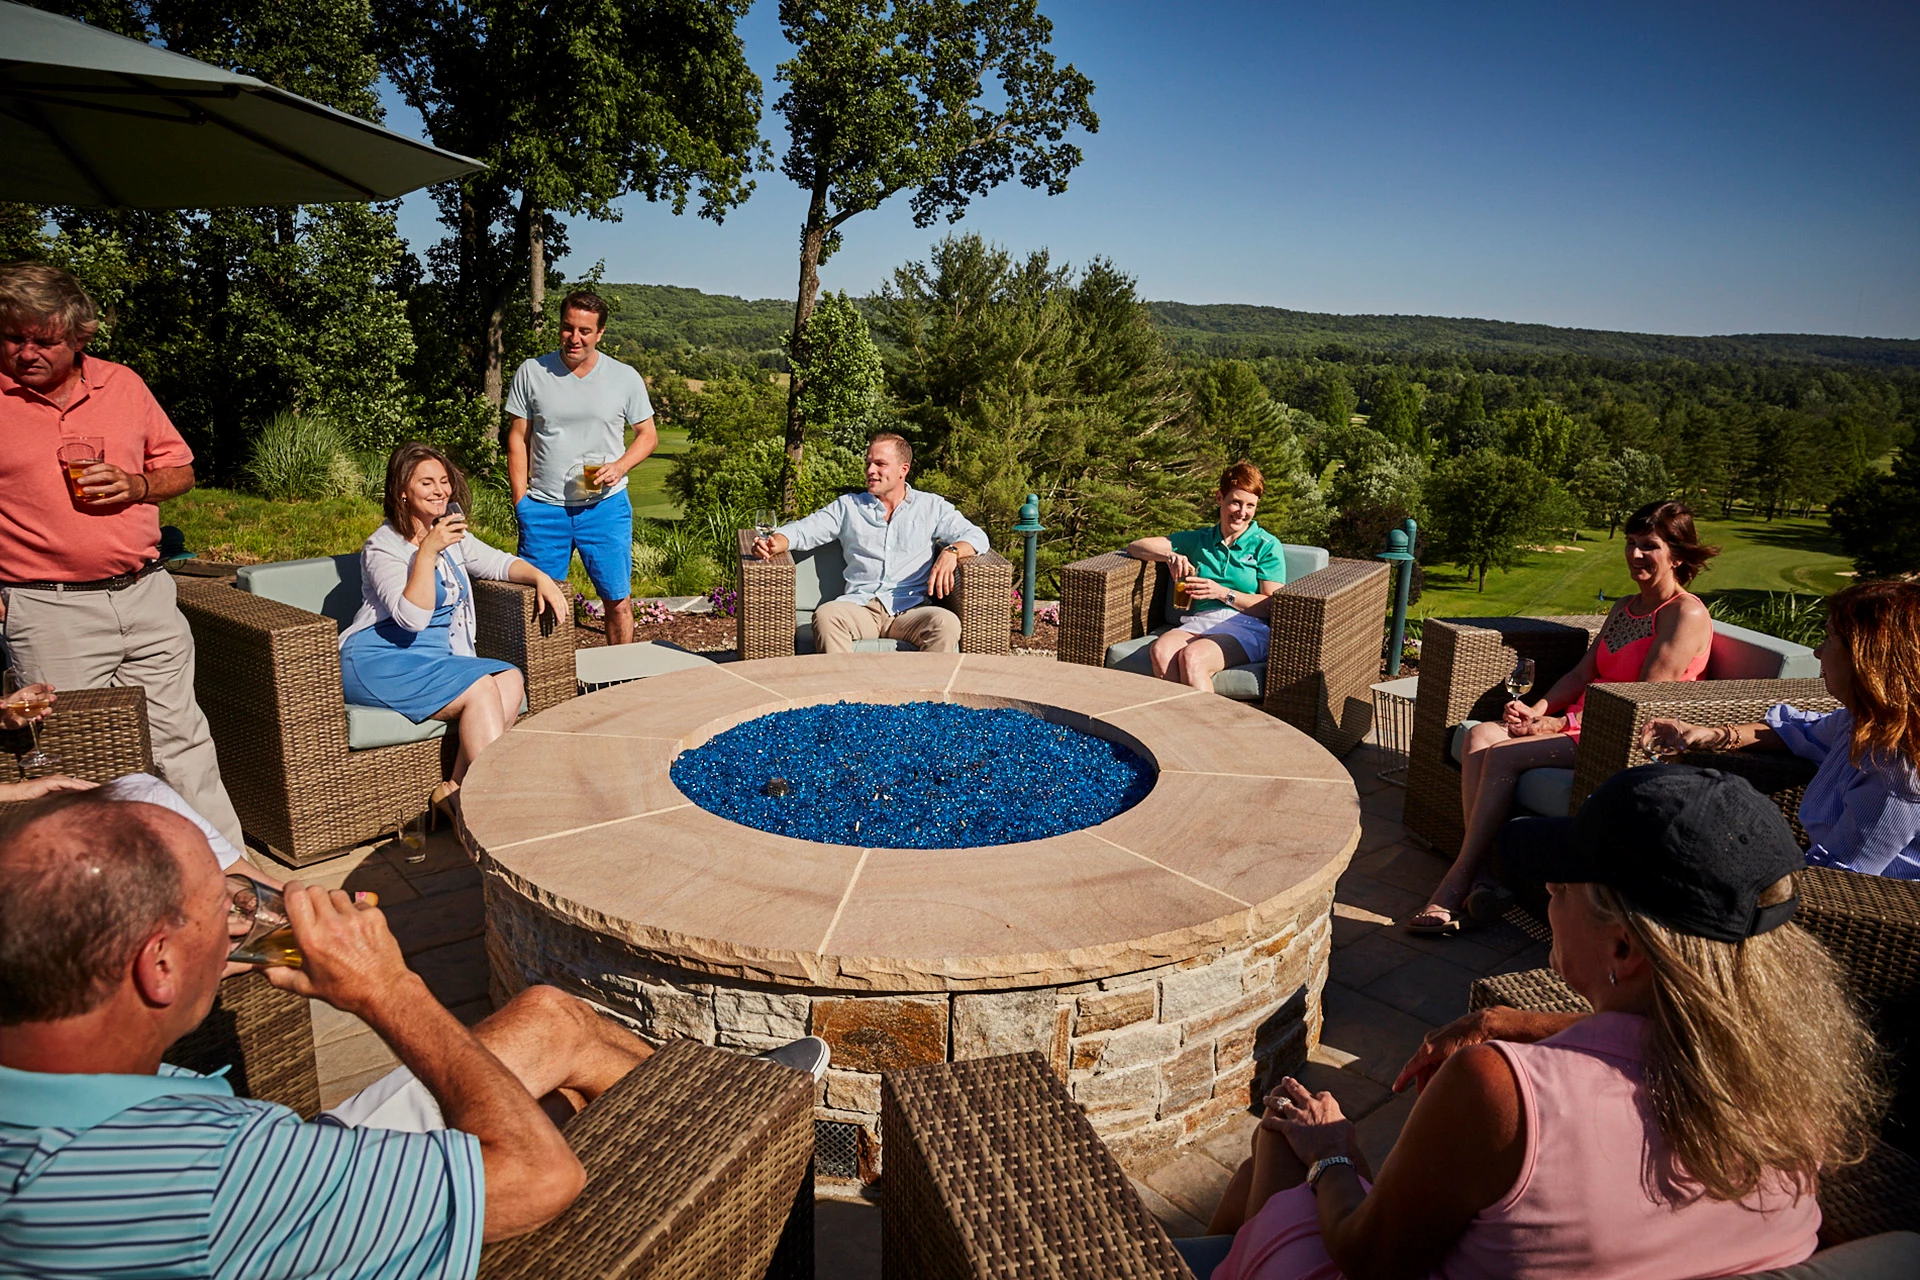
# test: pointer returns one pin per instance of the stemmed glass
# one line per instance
(29, 701)
(763, 524)
(1520, 679)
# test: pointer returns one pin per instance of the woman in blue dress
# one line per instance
(1861, 812)
(410, 647)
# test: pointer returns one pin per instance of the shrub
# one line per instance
(1799, 618)
(492, 515)
(297, 457)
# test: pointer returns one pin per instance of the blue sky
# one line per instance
(1669, 168)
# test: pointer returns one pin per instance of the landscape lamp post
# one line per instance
(1029, 528)
(1399, 551)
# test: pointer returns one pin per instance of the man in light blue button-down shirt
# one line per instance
(901, 545)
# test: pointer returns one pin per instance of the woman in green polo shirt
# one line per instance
(1224, 579)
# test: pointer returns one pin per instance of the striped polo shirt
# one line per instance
(172, 1176)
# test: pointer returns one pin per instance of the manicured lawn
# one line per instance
(647, 483)
(222, 524)
(1756, 557)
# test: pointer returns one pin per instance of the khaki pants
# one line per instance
(928, 628)
(132, 638)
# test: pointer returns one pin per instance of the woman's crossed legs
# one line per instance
(1489, 772)
(486, 710)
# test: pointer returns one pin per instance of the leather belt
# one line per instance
(120, 583)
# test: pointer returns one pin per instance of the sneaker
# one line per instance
(808, 1054)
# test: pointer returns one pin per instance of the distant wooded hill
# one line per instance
(666, 318)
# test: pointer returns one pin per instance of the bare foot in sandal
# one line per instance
(1433, 920)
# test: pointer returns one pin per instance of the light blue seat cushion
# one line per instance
(369, 727)
(1246, 683)
(803, 641)
(1300, 561)
(327, 585)
(1740, 654)
(1545, 793)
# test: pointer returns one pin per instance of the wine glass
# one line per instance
(763, 523)
(1520, 679)
(28, 700)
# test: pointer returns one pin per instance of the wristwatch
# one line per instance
(1321, 1166)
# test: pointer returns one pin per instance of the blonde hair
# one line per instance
(37, 294)
(1757, 1059)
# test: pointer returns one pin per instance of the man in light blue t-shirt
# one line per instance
(567, 458)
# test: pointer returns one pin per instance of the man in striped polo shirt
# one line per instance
(113, 940)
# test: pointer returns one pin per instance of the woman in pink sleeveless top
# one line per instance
(1662, 633)
(1603, 1145)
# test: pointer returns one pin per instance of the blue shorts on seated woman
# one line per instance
(396, 655)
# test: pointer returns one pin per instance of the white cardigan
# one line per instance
(386, 561)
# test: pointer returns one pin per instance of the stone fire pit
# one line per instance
(1164, 961)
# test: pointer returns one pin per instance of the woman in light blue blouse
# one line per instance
(1862, 809)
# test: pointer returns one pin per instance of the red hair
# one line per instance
(1877, 625)
(1243, 475)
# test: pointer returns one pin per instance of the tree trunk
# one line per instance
(535, 223)
(1483, 578)
(469, 285)
(812, 236)
(493, 382)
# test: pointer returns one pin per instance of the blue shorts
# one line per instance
(602, 532)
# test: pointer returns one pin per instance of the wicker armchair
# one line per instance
(96, 734)
(778, 597)
(1463, 668)
(1328, 628)
(269, 681)
(698, 1163)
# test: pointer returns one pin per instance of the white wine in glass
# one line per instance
(1520, 679)
(31, 701)
(763, 525)
(411, 832)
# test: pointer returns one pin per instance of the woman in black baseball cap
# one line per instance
(1679, 1130)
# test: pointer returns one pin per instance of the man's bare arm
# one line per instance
(519, 468)
(105, 484)
(354, 964)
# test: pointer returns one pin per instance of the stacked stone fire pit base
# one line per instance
(1167, 962)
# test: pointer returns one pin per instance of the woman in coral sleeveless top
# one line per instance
(1662, 633)
(1679, 1131)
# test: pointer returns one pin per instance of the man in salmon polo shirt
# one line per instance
(83, 602)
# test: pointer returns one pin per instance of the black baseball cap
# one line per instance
(1693, 848)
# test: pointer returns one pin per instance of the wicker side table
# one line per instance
(992, 1171)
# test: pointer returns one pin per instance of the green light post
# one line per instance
(1399, 551)
(1030, 528)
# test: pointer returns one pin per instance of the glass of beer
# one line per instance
(76, 454)
(257, 921)
(1182, 597)
(590, 473)
(33, 701)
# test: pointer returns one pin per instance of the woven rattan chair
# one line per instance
(1327, 628)
(778, 596)
(96, 734)
(269, 681)
(1463, 668)
(699, 1163)
(992, 1171)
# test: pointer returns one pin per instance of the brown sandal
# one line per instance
(1446, 928)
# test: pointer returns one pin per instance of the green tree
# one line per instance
(1483, 507)
(570, 107)
(1337, 401)
(846, 386)
(1463, 423)
(1017, 377)
(1394, 411)
(885, 96)
(1878, 519)
(1542, 433)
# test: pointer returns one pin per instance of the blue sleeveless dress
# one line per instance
(416, 673)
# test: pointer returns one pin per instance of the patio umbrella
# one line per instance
(91, 118)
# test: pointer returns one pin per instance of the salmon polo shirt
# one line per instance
(45, 534)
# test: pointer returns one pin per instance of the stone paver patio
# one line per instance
(1386, 990)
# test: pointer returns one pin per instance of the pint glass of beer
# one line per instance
(1182, 598)
(76, 454)
(257, 922)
